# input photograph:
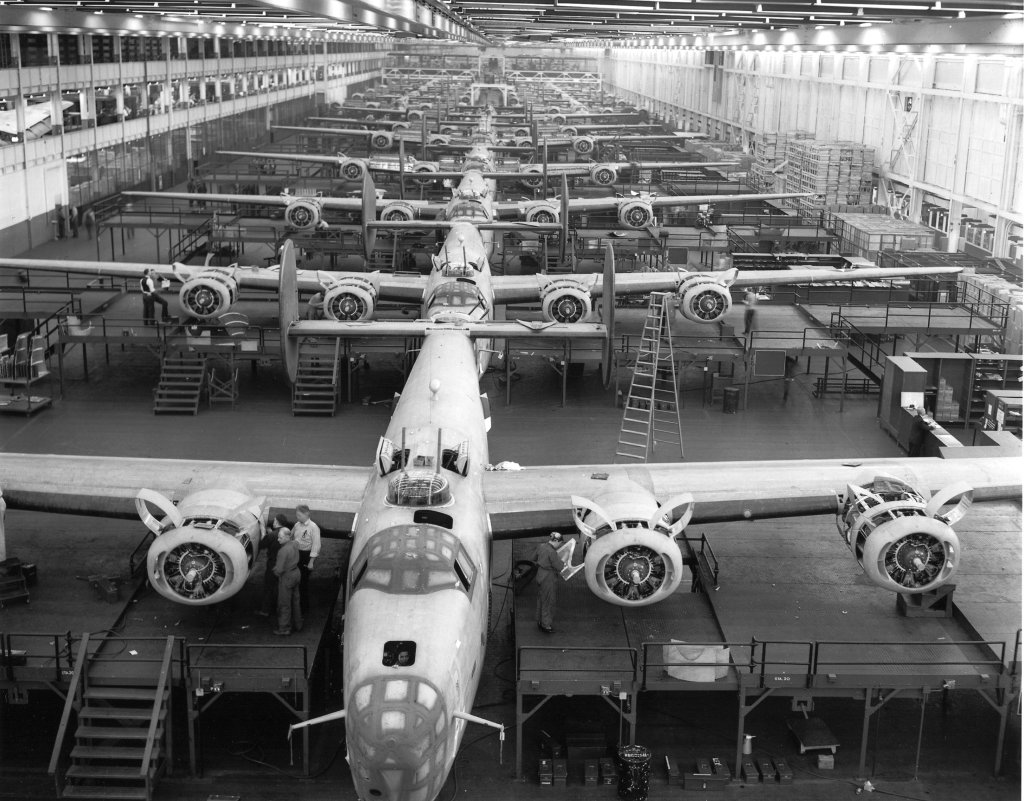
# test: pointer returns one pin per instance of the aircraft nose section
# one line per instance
(398, 734)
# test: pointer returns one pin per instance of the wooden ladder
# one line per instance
(315, 390)
(182, 378)
(651, 413)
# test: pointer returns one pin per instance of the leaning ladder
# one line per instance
(651, 413)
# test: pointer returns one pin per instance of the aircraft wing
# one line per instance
(107, 485)
(522, 502)
(283, 201)
(407, 288)
(526, 288)
(599, 203)
(311, 158)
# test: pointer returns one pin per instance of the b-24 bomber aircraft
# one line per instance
(423, 513)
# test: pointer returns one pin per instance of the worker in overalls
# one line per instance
(549, 568)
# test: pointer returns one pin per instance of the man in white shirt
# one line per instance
(307, 535)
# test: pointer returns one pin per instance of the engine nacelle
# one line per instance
(415, 115)
(398, 211)
(565, 301)
(353, 169)
(423, 172)
(542, 211)
(382, 140)
(349, 299)
(603, 174)
(521, 132)
(208, 293)
(632, 558)
(204, 547)
(636, 214)
(524, 141)
(533, 176)
(557, 116)
(703, 300)
(584, 145)
(569, 130)
(439, 139)
(901, 540)
(303, 214)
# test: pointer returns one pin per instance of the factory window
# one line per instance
(67, 47)
(33, 49)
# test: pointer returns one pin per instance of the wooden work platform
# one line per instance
(906, 318)
(227, 639)
(594, 641)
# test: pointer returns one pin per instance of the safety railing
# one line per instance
(28, 299)
(42, 656)
(246, 664)
(162, 687)
(922, 315)
(60, 756)
(785, 663)
(545, 663)
(704, 663)
(947, 657)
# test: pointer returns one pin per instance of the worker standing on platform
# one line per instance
(750, 302)
(150, 297)
(307, 536)
(271, 543)
(549, 568)
(286, 568)
(89, 220)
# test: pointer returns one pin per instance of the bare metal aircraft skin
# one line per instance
(425, 512)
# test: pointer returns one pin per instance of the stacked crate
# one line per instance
(769, 153)
(865, 235)
(946, 408)
(835, 173)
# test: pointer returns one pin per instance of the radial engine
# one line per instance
(632, 557)
(900, 535)
(205, 546)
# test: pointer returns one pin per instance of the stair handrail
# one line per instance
(70, 700)
(334, 367)
(158, 702)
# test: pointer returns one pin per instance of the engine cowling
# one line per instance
(521, 132)
(565, 301)
(584, 145)
(703, 300)
(398, 211)
(208, 293)
(632, 558)
(533, 176)
(525, 141)
(438, 139)
(353, 169)
(423, 172)
(557, 116)
(542, 211)
(569, 130)
(349, 299)
(381, 140)
(603, 174)
(204, 547)
(901, 538)
(415, 115)
(400, 125)
(636, 214)
(303, 214)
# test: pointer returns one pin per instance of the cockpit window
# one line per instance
(466, 210)
(456, 294)
(414, 559)
(399, 653)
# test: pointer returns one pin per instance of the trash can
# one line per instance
(730, 400)
(634, 772)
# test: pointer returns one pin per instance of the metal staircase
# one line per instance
(121, 744)
(651, 414)
(182, 378)
(315, 390)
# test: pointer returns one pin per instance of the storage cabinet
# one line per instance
(957, 382)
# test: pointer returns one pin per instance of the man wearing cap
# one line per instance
(549, 567)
